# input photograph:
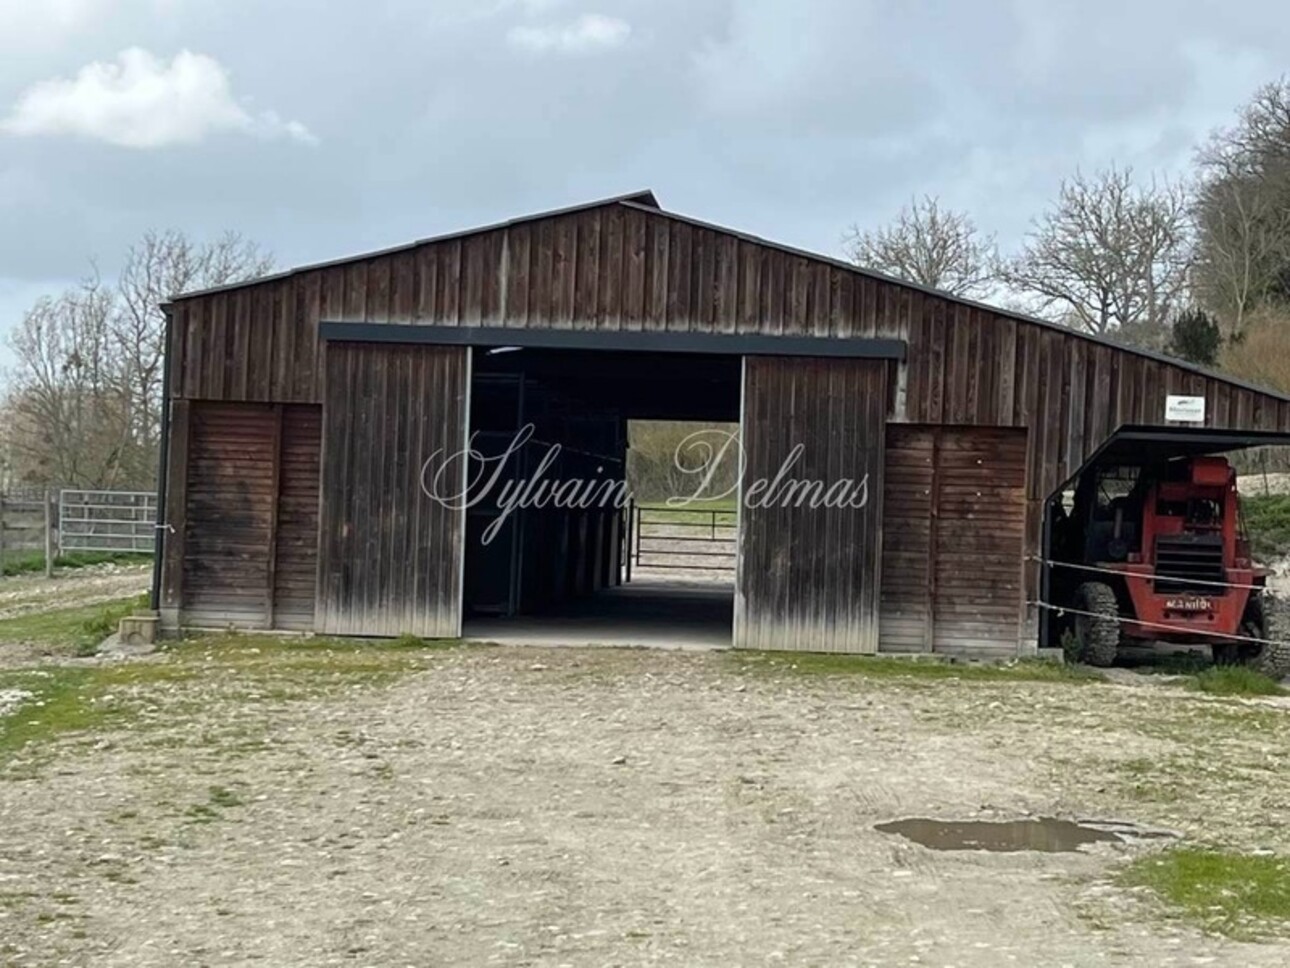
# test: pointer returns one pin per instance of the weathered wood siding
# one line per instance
(626, 266)
(908, 539)
(808, 576)
(390, 556)
(295, 563)
(245, 510)
(953, 518)
(228, 525)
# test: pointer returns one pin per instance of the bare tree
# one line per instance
(84, 402)
(65, 419)
(1243, 211)
(930, 245)
(1243, 248)
(159, 266)
(1109, 257)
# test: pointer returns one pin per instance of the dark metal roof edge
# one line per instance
(1154, 432)
(649, 341)
(644, 199)
(973, 303)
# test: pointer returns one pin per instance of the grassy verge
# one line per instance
(1267, 520)
(877, 667)
(1235, 681)
(78, 629)
(660, 512)
(60, 700)
(1240, 895)
(67, 700)
(27, 562)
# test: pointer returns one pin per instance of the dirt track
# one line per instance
(71, 587)
(523, 806)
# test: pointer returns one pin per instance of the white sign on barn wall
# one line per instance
(1184, 409)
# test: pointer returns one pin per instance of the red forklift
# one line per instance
(1150, 547)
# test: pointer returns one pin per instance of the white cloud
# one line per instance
(589, 32)
(141, 101)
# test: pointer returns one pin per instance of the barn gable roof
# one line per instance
(646, 201)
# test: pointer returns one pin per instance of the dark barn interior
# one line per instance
(549, 435)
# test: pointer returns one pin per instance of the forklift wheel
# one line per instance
(1270, 658)
(1097, 633)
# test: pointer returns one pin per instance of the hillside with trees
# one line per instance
(1197, 267)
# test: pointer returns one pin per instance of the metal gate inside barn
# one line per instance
(954, 512)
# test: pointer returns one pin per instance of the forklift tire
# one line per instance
(1097, 633)
(1270, 658)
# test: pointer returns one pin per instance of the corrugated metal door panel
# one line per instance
(229, 515)
(296, 541)
(905, 622)
(980, 525)
(808, 576)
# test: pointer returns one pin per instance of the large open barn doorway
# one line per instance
(569, 537)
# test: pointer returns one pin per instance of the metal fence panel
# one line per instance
(106, 521)
(684, 539)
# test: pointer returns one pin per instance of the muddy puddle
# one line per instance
(1041, 833)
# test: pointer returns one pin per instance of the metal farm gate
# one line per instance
(106, 521)
(699, 541)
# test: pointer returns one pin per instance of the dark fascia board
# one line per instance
(964, 301)
(628, 341)
(1194, 439)
(644, 199)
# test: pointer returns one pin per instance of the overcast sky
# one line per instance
(323, 129)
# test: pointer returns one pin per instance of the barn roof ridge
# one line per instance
(643, 199)
(646, 201)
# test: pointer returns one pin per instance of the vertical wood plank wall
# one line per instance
(245, 512)
(908, 538)
(808, 577)
(390, 557)
(623, 266)
(954, 512)
(228, 526)
(296, 537)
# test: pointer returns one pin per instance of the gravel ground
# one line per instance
(597, 807)
(71, 587)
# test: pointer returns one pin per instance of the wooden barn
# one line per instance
(312, 415)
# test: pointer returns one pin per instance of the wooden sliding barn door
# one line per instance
(954, 517)
(295, 564)
(808, 576)
(390, 556)
(228, 520)
(249, 538)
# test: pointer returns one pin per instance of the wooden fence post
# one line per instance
(49, 533)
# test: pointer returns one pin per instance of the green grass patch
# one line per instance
(27, 562)
(697, 512)
(879, 667)
(74, 699)
(1267, 521)
(1239, 895)
(221, 799)
(80, 628)
(241, 668)
(1235, 681)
